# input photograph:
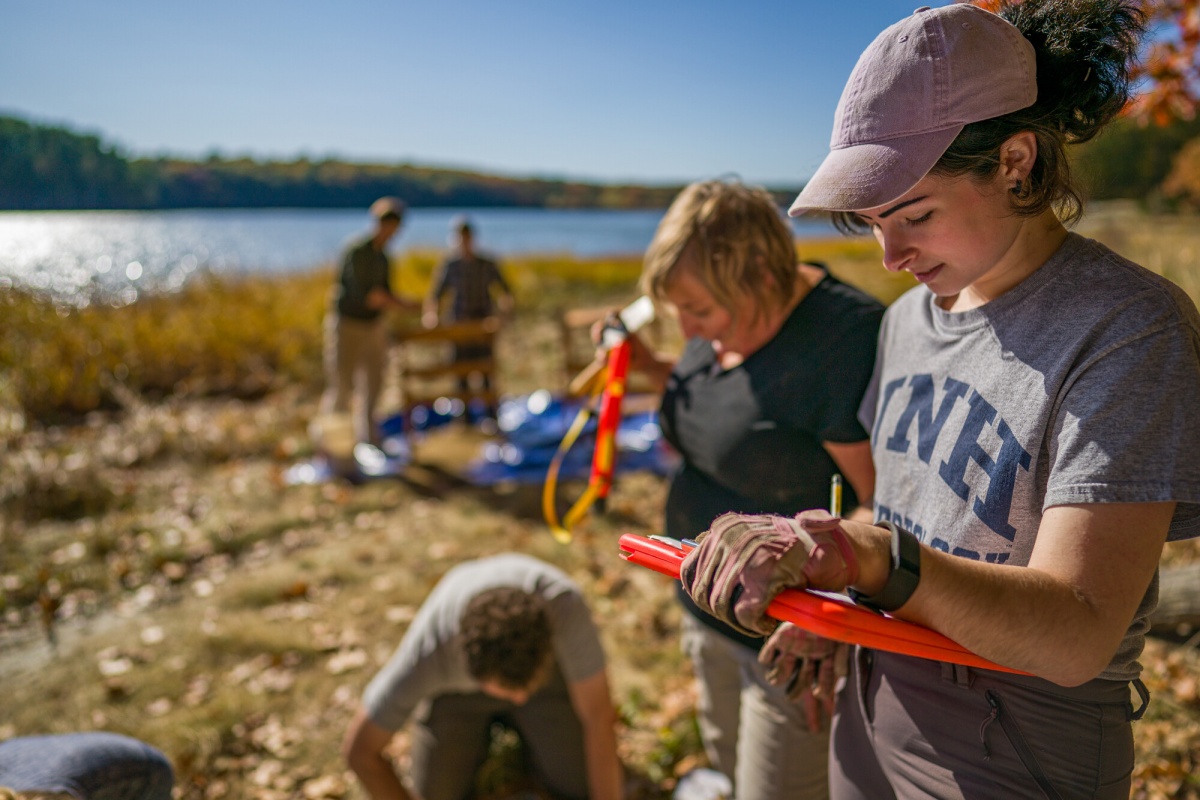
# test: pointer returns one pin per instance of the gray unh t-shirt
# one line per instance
(1080, 385)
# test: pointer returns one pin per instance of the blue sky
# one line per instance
(641, 90)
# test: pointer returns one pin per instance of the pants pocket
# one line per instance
(1068, 748)
(1024, 752)
(865, 665)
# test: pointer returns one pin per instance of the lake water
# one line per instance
(118, 254)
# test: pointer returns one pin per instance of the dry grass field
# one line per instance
(158, 577)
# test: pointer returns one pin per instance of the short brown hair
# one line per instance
(735, 235)
(506, 636)
(388, 208)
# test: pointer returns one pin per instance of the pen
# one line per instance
(835, 503)
(835, 495)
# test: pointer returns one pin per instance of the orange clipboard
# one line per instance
(830, 615)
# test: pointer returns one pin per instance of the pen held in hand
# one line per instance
(835, 495)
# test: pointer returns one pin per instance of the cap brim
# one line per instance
(871, 175)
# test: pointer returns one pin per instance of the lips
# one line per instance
(928, 275)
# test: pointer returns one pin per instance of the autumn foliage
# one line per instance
(1168, 72)
(1170, 66)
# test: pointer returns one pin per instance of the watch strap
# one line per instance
(904, 576)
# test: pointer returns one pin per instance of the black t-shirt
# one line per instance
(363, 268)
(751, 436)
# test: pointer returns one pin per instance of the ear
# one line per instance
(765, 275)
(1017, 156)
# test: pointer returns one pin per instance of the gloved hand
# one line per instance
(744, 560)
(808, 667)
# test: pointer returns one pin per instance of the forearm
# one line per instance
(363, 748)
(379, 779)
(379, 298)
(1016, 616)
(643, 359)
(657, 368)
(593, 706)
(1061, 617)
(605, 777)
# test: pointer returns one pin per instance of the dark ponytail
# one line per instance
(1085, 49)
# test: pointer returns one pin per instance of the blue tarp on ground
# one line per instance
(530, 428)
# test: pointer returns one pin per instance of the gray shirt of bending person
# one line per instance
(430, 660)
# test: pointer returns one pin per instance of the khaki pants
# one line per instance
(355, 357)
(752, 732)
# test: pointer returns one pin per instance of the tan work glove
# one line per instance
(744, 560)
(808, 667)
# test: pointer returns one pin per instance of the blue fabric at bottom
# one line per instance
(91, 766)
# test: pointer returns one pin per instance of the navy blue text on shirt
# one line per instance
(1001, 461)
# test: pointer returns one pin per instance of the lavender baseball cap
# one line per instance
(909, 96)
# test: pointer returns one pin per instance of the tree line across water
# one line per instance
(54, 167)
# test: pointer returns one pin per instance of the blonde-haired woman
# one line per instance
(762, 406)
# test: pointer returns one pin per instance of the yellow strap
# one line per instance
(562, 531)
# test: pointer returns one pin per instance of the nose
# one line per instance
(897, 253)
(689, 328)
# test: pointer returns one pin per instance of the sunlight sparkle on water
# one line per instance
(112, 256)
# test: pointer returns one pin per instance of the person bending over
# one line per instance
(504, 639)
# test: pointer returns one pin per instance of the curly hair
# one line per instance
(1085, 50)
(506, 636)
(734, 235)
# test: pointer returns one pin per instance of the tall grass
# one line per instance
(214, 336)
(236, 337)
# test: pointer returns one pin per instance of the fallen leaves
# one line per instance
(347, 661)
(252, 698)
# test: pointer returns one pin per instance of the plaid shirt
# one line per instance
(470, 282)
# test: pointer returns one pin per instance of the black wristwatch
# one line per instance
(902, 579)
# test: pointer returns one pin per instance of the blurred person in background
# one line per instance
(356, 334)
(467, 286)
(762, 406)
(506, 639)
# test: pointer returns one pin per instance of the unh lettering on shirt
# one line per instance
(951, 434)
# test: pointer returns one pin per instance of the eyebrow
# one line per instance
(898, 206)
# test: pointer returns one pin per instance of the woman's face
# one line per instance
(701, 315)
(951, 234)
